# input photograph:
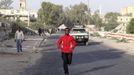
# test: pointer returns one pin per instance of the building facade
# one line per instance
(127, 10)
(127, 14)
(124, 19)
(23, 14)
(22, 5)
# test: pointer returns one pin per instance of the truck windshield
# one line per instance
(78, 30)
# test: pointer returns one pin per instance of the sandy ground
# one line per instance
(13, 63)
(128, 48)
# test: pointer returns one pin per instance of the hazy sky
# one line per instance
(106, 5)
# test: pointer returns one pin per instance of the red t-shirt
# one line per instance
(66, 43)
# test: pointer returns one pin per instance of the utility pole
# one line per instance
(28, 19)
(100, 10)
(88, 6)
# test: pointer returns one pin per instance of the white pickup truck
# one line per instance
(80, 35)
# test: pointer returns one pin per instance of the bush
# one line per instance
(95, 34)
(130, 27)
(120, 40)
(11, 35)
(15, 26)
(36, 25)
(110, 27)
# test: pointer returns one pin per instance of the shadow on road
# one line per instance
(95, 69)
(94, 43)
(55, 37)
(8, 53)
(89, 44)
(49, 64)
(47, 45)
(93, 56)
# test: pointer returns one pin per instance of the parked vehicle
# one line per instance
(80, 35)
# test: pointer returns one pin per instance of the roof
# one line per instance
(62, 26)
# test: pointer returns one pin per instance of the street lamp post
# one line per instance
(88, 13)
(88, 4)
(28, 19)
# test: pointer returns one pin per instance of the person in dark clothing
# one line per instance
(67, 44)
(39, 31)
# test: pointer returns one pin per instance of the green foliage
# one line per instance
(22, 25)
(109, 26)
(111, 21)
(76, 13)
(50, 14)
(96, 20)
(36, 25)
(111, 16)
(122, 40)
(115, 30)
(95, 34)
(130, 27)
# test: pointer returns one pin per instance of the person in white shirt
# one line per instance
(19, 37)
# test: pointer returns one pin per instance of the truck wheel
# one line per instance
(86, 43)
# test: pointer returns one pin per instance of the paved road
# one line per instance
(94, 59)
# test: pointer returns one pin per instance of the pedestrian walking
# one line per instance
(66, 44)
(39, 31)
(19, 37)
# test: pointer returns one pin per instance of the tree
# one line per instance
(96, 20)
(36, 25)
(111, 21)
(79, 13)
(130, 27)
(5, 4)
(50, 14)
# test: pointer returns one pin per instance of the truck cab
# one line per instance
(80, 35)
